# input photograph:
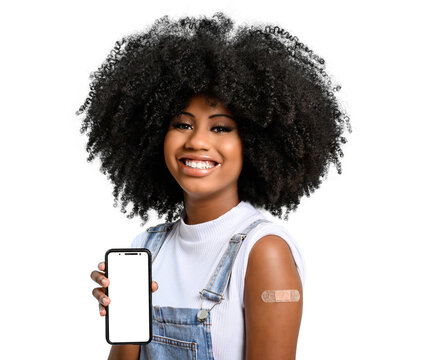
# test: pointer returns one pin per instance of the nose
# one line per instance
(198, 139)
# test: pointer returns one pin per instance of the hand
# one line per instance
(99, 293)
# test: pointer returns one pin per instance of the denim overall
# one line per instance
(184, 333)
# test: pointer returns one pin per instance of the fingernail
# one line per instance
(104, 282)
(103, 301)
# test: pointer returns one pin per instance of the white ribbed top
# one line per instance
(191, 253)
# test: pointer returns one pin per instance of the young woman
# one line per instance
(207, 124)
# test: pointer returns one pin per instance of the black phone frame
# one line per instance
(149, 255)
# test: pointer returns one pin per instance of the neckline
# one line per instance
(213, 228)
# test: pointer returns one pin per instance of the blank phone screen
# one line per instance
(128, 316)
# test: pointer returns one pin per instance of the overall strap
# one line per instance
(156, 236)
(219, 279)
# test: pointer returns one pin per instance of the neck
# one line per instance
(206, 209)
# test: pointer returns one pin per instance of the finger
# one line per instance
(155, 286)
(102, 266)
(101, 297)
(102, 310)
(100, 278)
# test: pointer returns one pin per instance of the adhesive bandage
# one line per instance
(280, 296)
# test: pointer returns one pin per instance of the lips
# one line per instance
(207, 161)
(197, 158)
(197, 172)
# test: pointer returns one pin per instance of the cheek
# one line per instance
(234, 151)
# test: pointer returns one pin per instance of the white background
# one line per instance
(360, 233)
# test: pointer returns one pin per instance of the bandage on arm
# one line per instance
(272, 296)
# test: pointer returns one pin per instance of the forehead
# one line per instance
(205, 103)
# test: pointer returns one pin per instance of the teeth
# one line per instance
(199, 164)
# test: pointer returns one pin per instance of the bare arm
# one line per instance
(124, 352)
(272, 328)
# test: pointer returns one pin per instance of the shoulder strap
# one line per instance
(219, 279)
(156, 237)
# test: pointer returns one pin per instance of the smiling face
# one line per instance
(203, 151)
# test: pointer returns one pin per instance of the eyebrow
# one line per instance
(210, 117)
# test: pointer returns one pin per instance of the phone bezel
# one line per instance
(149, 255)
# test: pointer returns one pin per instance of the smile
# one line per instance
(197, 164)
(196, 167)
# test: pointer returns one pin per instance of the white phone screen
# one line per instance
(128, 316)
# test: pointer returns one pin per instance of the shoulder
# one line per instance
(139, 240)
(270, 248)
(271, 260)
(271, 243)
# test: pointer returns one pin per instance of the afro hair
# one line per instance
(289, 120)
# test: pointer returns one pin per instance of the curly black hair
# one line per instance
(289, 120)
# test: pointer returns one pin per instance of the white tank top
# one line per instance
(187, 259)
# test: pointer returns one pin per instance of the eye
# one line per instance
(180, 125)
(215, 129)
(222, 128)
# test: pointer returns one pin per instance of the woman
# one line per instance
(206, 124)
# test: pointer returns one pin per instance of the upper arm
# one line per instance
(271, 328)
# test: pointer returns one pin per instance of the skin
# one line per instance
(206, 197)
(271, 328)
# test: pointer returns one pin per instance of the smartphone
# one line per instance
(129, 314)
